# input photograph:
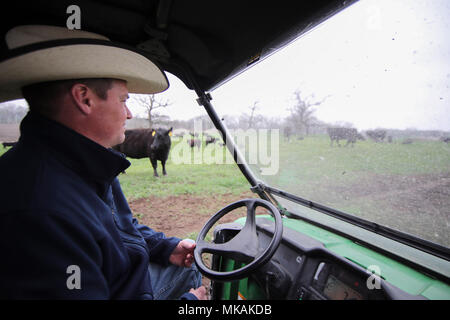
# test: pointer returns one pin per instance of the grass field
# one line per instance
(181, 179)
(404, 186)
(313, 157)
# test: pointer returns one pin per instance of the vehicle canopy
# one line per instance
(210, 43)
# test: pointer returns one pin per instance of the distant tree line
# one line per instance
(12, 113)
(300, 122)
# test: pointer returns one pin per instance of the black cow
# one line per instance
(194, 143)
(377, 135)
(151, 143)
(349, 134)
(210, 139)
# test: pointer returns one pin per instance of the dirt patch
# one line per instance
(183, 215)
(416, 204)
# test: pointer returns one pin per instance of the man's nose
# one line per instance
(129, 115)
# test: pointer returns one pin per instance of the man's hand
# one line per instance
(200, 293)
(183, 254)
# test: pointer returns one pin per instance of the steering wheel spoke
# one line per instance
(250, 222)
(231, 249)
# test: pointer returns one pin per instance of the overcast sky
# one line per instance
(381, 63)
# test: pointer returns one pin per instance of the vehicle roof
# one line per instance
(210, 40)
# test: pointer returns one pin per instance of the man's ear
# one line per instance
(82, 96)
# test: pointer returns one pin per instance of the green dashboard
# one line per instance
(314, 263)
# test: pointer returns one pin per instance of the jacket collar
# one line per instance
(81, 154)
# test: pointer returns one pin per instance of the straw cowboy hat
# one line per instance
(48, 53)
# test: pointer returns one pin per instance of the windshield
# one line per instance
(355, 115)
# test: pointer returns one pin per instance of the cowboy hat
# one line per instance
(47, 53)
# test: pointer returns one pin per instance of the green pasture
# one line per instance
(302, 163)
(405, 186)
(312, 159)
(388, 183)
(193, 179)
(189, 171)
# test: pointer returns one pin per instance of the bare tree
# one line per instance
(250, 121)
(151, 103)
(247, 121)
(302, 113)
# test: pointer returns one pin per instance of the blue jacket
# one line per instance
(66, 230)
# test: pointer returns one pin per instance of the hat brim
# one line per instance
(79, 61)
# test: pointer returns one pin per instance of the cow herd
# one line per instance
(351, 135)
(155, 144)
(194, 141)
(348, 134)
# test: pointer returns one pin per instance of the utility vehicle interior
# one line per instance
(304, 246)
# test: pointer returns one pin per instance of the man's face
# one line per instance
(111, 114)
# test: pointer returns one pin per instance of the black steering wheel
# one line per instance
(244, 247)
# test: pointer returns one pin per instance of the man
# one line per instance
(66, 230)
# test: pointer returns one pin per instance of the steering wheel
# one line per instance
(244, 247)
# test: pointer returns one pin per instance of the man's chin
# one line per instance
(119, 140)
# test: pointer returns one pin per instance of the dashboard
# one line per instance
(303, 269)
